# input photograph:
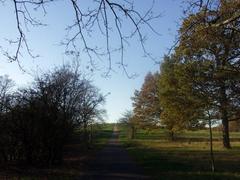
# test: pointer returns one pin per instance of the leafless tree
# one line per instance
(5, 89)
(37, 121)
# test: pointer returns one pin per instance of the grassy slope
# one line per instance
(103, 135)
(186, 158)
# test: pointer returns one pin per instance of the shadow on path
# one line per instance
(113, 162)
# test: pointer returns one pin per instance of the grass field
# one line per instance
(186, 158)
(102, 136)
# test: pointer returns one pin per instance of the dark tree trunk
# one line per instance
(5, 159)
(172, 135)
(85, 134)
(91, 135)
(224, 117)
(133, 132)
(225, 130)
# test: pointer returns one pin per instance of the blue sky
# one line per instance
(45, 42)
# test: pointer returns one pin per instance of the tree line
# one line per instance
(199, 82)
(36, 122)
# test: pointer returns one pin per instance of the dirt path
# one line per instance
(113, 162)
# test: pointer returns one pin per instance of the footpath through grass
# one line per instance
(186, 158)
(103, 135)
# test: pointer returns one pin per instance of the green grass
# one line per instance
(186, 158)
(102, 135)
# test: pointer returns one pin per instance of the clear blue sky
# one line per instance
(44, 41)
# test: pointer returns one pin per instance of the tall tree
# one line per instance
(146, 102)
(180, 107)
(185, 105)
(210, 40)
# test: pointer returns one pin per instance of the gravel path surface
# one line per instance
(113, 162)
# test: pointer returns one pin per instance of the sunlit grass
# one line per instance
(187, 157)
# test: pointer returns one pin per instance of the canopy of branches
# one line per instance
(36, 122)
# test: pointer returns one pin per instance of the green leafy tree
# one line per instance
(180, 108)
(211, 48)
(184, 105)
(146, 103)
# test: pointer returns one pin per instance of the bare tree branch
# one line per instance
(104, 16)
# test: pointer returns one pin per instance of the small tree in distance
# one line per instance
(129, 120)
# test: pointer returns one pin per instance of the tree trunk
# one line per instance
(172, 135)
(211, 145)
(91, 134)
(85, 134)
(224, 117)
(5, 159)
(225, 130)
(132, 132)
